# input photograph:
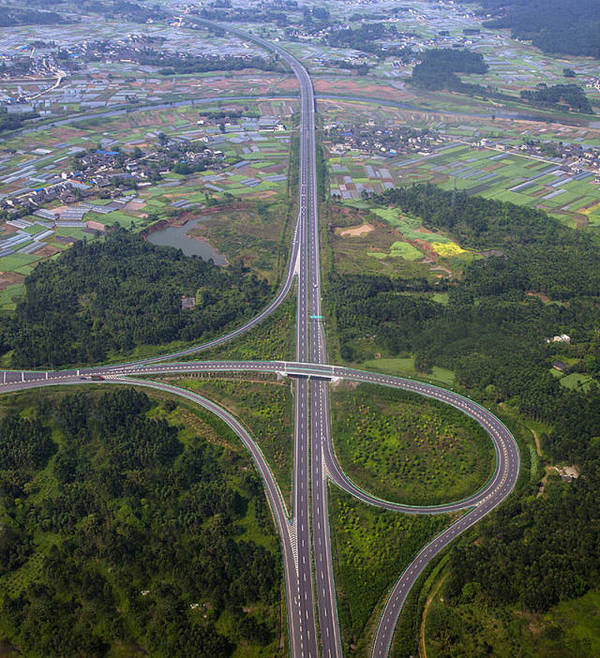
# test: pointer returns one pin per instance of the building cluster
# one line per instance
(30, 65)
(113, 171)
(23, 68)
(105, 168)
(24, 202)
(235, 123)
(372, 139)
(594, 83)
(560, 338)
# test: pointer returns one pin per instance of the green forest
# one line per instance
(493, 331)
(123, 532)
(105, 298)
(559, 95)
(529, 584)
(570, 27)
(438, 68)
(537, 279)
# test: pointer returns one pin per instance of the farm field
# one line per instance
(369, 239)
(467, 121)
(509, 177)
(252, 180)
(513, 64)
(573, 198)
(100, 85)
(406, 449)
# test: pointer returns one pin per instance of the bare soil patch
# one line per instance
(10, 278)
(135, 204)
(356, 231)
(540, 296)
(47, 251)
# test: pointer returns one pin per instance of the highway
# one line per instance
(480, 503)
(305, 536)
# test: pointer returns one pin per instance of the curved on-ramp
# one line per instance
(286, 528)
(496, 490)
(484, 501)
(505, 446)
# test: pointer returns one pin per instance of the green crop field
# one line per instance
(507, 177)
(9, 296)
(405, 366)
(14, 261)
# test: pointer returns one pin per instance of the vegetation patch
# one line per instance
(381, 248)
(406, 448)
(139, 533)
(274, 339)
(371, 548)
(490, 330)
(266, 409)
(404, 366)
(472, 625)
(447, 249)
(249, 233)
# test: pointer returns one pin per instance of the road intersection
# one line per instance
(305, 535)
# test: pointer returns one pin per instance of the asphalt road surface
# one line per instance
(481, 503)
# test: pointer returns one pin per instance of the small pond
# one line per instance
(177, 236)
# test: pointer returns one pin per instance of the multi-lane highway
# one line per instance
(305, 537)
(506, 450)
(301, 633)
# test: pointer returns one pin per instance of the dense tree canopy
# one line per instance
(140, 528)
(557, 95)
(112, 295)
(493, 330)
(438, 68)
(539, 551)
(571, 27)
(475, 221)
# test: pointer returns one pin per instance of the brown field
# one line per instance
(358, 87)
(10, 278)
(357, 231)
(47, 251)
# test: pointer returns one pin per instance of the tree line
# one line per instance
(109, 296)
(187, 64)
(571, 27)
(557, 95)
